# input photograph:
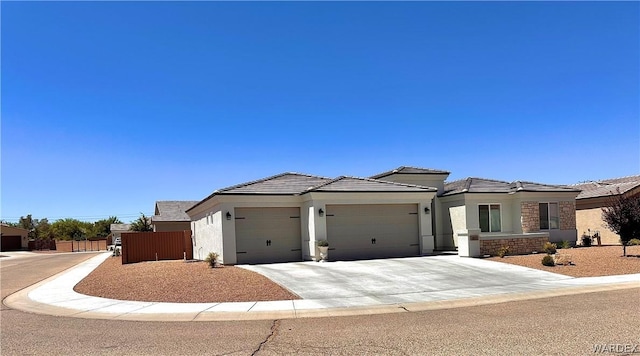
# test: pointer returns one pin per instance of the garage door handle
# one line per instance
(296, 249)
(414, 245)
(239, 252)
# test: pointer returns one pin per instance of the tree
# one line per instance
(37, 228)
(102, 228)
(143, 223)
(622, 216)
(71, 229)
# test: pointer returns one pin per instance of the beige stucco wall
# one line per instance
(592, 219)
(160, 226)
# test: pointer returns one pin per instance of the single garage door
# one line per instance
(266, 235)
(372, 231)
(11, 243)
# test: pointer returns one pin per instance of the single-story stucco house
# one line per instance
(170, 215)
(404, 212)
(117, 230)
(593, 197)
(13, 238)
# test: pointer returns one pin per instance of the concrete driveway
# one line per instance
(403, 280)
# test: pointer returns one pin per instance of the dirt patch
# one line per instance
(588, 261)
(179, 281)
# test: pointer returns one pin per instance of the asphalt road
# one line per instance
(568, 325)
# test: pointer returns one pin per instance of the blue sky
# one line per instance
(110, 106)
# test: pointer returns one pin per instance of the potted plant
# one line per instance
(323, 247)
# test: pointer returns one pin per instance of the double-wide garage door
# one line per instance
(372, 231)
(266, 235)
(11, 243)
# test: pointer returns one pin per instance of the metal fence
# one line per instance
(155, 246)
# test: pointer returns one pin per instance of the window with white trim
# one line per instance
(489, 217)
(549, 216)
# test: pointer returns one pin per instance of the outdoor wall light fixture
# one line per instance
(321, 212)
(228, 215)
(426, 210)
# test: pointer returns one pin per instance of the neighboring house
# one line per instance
(117, 230)
(521, 215)
(280, 218)
(171, 216)
(13, 238)
(594, 197)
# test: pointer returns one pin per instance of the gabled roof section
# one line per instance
(409, 170)
(288, 183)
(346, 184)
(482, 185)
(607, 187)
(172, 210)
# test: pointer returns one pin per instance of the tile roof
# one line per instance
(120, 227)
(482, 185)
(172, 210)
(353, 184)
(409, 170)
(606, 187)
(288, 183)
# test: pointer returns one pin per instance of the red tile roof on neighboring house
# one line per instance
(606, 187)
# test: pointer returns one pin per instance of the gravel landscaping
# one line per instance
(587, 261)
(195, 282)
(179, 281)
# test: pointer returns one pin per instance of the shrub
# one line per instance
(503, 251)
(586, 240)
(634, 242)
(322, 243)
(548, 261)
(116, 251)
(549, 248)
(212, 259)
(564, 244)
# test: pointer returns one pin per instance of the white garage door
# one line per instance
(372, 231)
(265, 235)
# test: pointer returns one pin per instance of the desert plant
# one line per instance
(503, 251)
(547, 260)
(322, 243)
(116, 251)
(564, 244)
(622, 216)
(633, 242)
(549, 248)
(212, 259)
(586, 240)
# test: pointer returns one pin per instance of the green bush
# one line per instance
(503, 251)
(564, 244)
(322, 243)
(212, 259)
(548, 261)
(634, 242)
(549, 248)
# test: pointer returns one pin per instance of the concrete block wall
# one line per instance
(517, 246)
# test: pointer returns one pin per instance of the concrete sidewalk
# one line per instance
(55, 296)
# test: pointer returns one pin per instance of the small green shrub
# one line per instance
(564, 244)
(212, 259)
(503, 251)
(322, 243)
(549, 248)
(633, 242)
(548, 261)
(116, 251)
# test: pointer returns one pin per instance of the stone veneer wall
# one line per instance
(567, 215)
(517, 246)
(531, 216)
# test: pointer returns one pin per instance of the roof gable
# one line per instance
(409, 170)
(345, 184)
(282, 184)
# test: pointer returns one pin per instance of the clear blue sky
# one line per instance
(110, 106)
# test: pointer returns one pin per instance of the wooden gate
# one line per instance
(155, 246)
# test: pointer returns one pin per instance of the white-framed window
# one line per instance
(549, 216)
(489, 217)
